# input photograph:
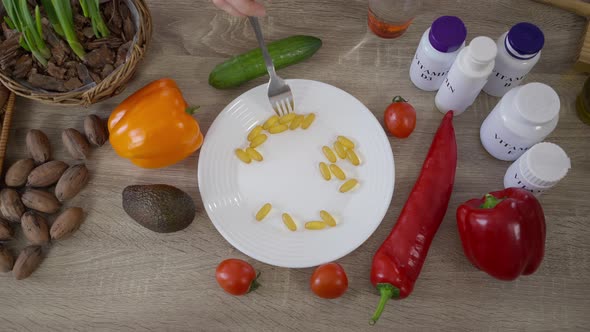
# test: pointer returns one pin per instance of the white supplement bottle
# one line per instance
(538, 169)
(522, 118)
(519, 50)
(467, 76)
(438, 48)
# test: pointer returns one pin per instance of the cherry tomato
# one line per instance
(329, 281)
(236, 276)
(400, 118)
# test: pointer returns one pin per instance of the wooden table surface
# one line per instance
(115, 275)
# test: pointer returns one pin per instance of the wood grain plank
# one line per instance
(114, 275)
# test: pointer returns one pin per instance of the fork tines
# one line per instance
(283, 106)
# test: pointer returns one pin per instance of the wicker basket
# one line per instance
(112, 85)
(6, 116)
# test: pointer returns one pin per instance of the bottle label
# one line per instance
(499, 142)
(427, 74)
(449, 86)
(506, 81)
(499, 83)
(457, 94)
(509, 148)
(513, 179)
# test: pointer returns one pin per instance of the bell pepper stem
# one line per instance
(398, 99)
(388, 292)
(255, 284)
(192, 109)
(490, 202)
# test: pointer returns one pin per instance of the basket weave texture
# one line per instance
(6, 116)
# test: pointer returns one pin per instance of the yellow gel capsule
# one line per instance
(278, 129)
(263, 212)
(353, 157)
(254, 155)
(307, 121)
(254, 132)
(287, 118)
(258, 140)
(348, 185)
(288, 221)
(327, 218)
(337, 171)
(315, 225)
(339, 148)
(243, 156)
(296, 122)
(270, 122)
(346, 142)
(329, 154)
(325, 171)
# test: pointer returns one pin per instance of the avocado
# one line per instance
(159, 207)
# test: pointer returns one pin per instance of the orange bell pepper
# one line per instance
(154, 126)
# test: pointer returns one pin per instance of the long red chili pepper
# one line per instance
(398, 262)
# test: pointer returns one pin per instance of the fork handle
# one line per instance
(267, 59)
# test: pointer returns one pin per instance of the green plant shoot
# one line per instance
(63, 13)
(52, 16)
(38, 21)
(91, 9)
(9, 22)
(31, 33)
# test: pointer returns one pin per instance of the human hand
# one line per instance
(241, 8)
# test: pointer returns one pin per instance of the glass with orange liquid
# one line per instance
(391, 18)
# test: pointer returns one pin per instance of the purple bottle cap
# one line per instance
(447, 34)
(526, 39)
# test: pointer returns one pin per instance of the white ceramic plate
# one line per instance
(289, 177)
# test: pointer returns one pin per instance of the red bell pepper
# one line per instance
(503, 233)
(398, 261)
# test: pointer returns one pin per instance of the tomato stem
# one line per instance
(399, 99)
(255, 284)
(387, 291)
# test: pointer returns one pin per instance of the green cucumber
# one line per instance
(250, 65)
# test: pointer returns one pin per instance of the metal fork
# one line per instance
(279, 92)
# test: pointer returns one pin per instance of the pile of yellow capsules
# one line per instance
(344, 148)
(273, 125)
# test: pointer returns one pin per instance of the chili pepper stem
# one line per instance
(388, 292)
(255, 284)
(192, 109)
(398, 99)
(490, 202)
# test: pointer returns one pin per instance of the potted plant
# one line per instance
(74, 52)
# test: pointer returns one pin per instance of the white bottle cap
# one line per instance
(544, 164)
(537, 103)
(482, 52)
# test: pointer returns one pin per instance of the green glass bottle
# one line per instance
(583, 103)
